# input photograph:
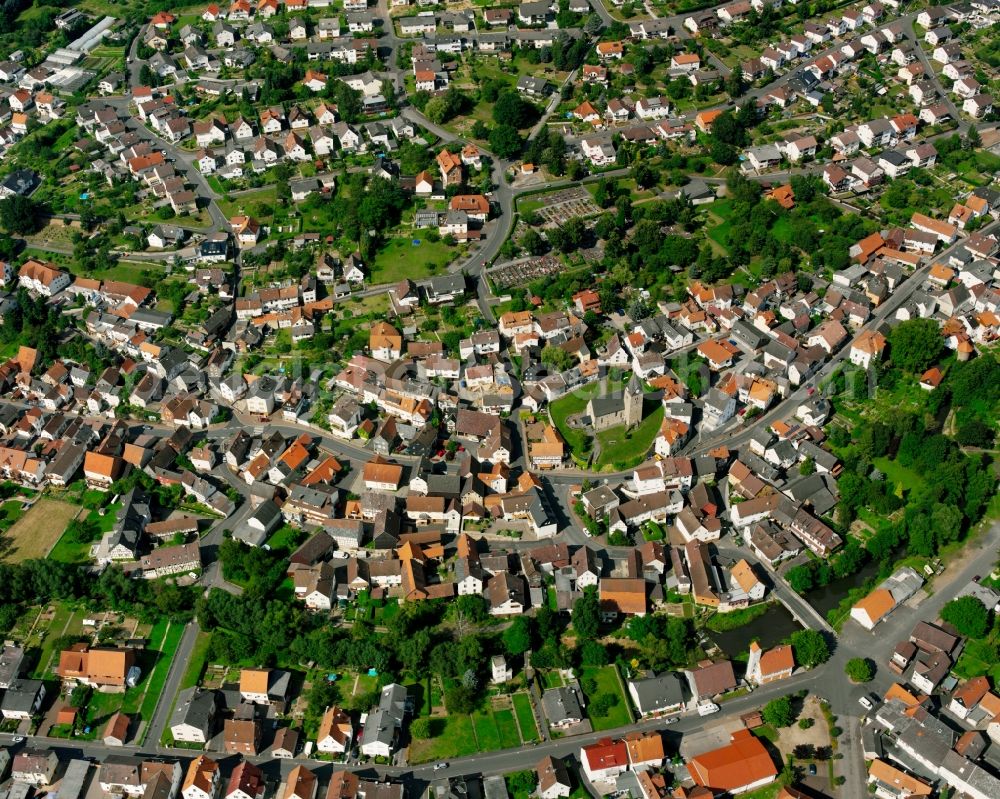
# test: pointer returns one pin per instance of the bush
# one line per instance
(421, 728)
(603, 704)
(804, 752)
(860, 669)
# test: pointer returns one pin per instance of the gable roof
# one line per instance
(744, 761)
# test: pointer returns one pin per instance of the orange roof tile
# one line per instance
(744, 761)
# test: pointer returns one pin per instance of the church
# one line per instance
(617, 409)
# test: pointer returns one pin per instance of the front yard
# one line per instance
(607, 706)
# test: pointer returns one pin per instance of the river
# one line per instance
(769, 630)
(830, 595)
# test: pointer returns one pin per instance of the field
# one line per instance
(35, 533)
(605, 680)
(400, 259)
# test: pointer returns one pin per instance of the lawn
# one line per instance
(284, 539)
(623, 449)
(977, 659)
(35, 533)
(252, 202)
(767, 732)
(400, 259)
(570, 405)
(486, 730)
(454, 737)
(608, 684)
(897, 473)
(782, 229)
(365, 684)
(719, 222)
(68, 550)
(552, 679)
(60, 620)
(507, 728)
(148, 691)
(128, 272)
(487, 734)
(525, 716)
(196, 664)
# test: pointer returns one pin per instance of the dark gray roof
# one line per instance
(561, 705)
(658, 693)
(20, 697)
(20, 181)
(195, 708)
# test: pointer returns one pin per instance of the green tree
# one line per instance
(973, 432)
(80, 696)
(19, 215)
(915, 344)
(557, 358)
(510, 109)
(604, 704)
(779, 712)
(522, 783)
(810, 648)
(461, 699)
(586, 614)
(413, 650)
(505, 141)
(533, 242)
(517, 637)
(968, 615)
(593, 653)
(644, 175)
(800, 578)
(860, 670)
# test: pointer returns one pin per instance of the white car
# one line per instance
(707, 708)
(440, 766)
(865, 702)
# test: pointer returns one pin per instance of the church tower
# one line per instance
(633, 401)
(753, 664)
